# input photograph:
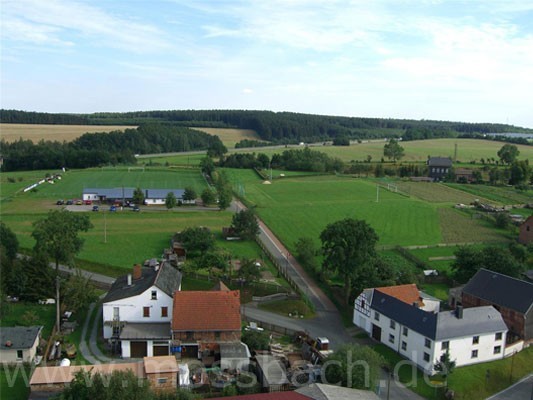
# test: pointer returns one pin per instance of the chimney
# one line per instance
(137, 272)
(129, 279)
(459, 312)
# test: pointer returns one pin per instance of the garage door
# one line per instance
(161, 350)
(138, 349)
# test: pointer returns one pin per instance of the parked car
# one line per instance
(88, 202)
(70, 202)
(79, 202)
(135, 208)
(113, 208)
(96, 208)
(60, 202)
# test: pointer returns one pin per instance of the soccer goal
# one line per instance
(135, 169)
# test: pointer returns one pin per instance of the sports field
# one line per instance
(60, 133)
(296, 207)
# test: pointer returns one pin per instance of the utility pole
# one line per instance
(377, 193)
(105, 228)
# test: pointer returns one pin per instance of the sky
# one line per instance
(446, 60)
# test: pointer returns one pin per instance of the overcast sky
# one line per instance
(450, 60)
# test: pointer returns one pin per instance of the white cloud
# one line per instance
(49, 22)
(247, 91)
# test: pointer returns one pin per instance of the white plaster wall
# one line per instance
(90, 196)
(131, 308)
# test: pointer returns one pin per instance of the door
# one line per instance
(160, 350)
(376, 332)
(138, 349)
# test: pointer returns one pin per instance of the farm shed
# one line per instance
(19, 344)
(271, 373)
(526, 231)
(235, 355)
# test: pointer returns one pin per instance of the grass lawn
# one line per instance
(14, 382)
(196, 284)
(437, 192)
(459, 227)
(470, 383)
(45, 315)
(286, 307)
(438, 290)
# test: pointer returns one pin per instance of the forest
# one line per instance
(96, 149)
(277, 127)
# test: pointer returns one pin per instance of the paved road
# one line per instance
(521, 390)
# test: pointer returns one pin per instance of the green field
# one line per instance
(296, 207)
(496, 194)
(418, 150)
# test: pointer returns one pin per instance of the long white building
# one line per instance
(408, 323)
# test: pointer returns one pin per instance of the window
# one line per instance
(475, 340)
(363, 303)
(445, 345)
(217, 335)
(164, 311)
(404, 346)
(474, 354)
(146, 312)
(498, 336)
(497, 349)
(426, 357)
(392, 324)
(376, 316)
(162, 380)
(391, 338)
(190, 335)
(19, 355)
(154, 294)
(405, 331)
(427, 343)
(116, 313)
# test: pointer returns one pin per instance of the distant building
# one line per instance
(124, 195)
(464, 175)
(438, 168)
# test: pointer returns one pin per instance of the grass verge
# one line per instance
(296, 308)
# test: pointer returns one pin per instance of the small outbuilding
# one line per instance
(19, 344)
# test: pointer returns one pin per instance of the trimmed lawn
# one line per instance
(459, 227)
(437, 192)
(286, 307)
(471, 383)
(14, 382)
(438, 290)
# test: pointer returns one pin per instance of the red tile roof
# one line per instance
(206, 311)
(406, 293)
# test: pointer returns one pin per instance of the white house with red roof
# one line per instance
(409, 322)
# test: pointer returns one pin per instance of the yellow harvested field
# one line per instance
(37, 132)
(231, 136)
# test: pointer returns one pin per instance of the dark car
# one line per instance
(96, 208)
(70, 202)
(112, 208)
(135, 208)
(60, 202)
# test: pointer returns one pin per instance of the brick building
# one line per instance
(512, 297)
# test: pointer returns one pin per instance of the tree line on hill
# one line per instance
(278, 127)
(97, 149)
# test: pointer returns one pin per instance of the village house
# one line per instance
(438, 168)
(512, 297)
(464, 175)
(124, 195)
(526, 231)
(19, 344)
(138, 308)
(413, 326)
(206, 325)
(161, 372)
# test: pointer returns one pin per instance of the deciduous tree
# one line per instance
(245, 224)
(348, 245)
(170, 200)
(508, 153)
(393, 150)
(57, 237)
(138, 196)
(189, 194)
(208, 196)
(197, 239)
